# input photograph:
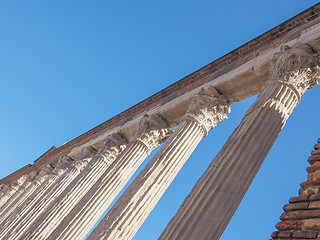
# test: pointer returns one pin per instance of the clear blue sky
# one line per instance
(66, 67)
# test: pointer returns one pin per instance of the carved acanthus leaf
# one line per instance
(43, 174)
(87, 152)
(64, 163)
(297, 67)
(208, 108)
(32, 176)
(152, 131)
(112, 147)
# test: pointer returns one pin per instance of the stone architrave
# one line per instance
(207, 109)
(208, 208)
(43, 226)
(67, 169)
(152, 131)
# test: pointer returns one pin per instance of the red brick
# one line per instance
(302, 198)
(287, 226)
(314, 175)
(284, 235)
(315, 197)
(296, 206)
(315, 152)
(314, 205)
(305, 235)
(283, 239)
(300, 214)
(309, 190)
(311, 182)
(313, 159)
(274, 234)
(312, 224)
(317, 146)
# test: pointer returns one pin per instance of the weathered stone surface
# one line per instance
(243, 83)
(67, 200)
(126, 216)
(209, 73)
(293, 72)
(152, 131)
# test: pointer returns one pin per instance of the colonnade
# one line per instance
(66, 198)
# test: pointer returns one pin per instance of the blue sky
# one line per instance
(66, 67)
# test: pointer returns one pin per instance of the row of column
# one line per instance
(67, 198)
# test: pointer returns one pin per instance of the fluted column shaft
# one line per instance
(36, 186)
(133, 207)
(151, 132)
(17, 201)
(207, 210)
(43, 226)
(21, 193)
(17, 194)
(7, 191)
(43, 181)
(67, 171)
(7, 194)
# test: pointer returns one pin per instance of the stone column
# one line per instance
(42, 182)
(207, 210)
(43, 226)
(151, 133)
(32, 186)
(44, 178)
(207, 109)
(67, 169)
(7, 191)
(18, 194)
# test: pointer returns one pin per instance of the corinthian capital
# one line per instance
(43, 174)
(208, 108)
(64, 162)
(297, 67)
(86, 153)
(152, 131)
(112, 147)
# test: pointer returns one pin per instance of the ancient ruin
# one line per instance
(64, 193)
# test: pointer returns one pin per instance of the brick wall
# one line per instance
(301, 217)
